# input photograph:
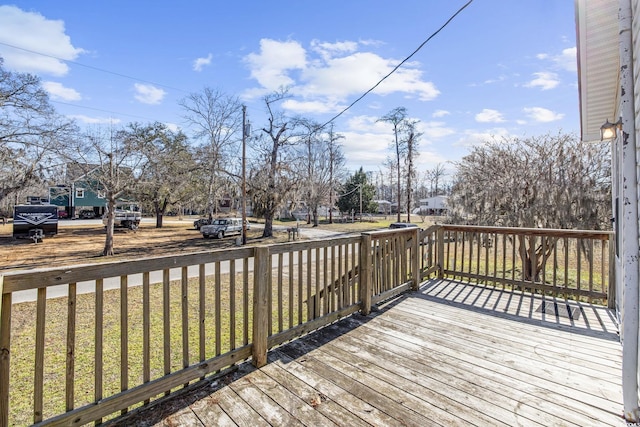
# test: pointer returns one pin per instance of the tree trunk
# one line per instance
(268, 225)
(108, 241)
(160, 209)
(531, 272)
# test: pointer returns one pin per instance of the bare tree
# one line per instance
(322, 160)
(110, 163)
(216, 119)
(396, 117)
(550, 181)
(435, 176)
(412, 137)
(30, 132)
(336, 164)
(272, 180)
(168, 174)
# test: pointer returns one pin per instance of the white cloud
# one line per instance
(543, 115)
(470, 138)
(566, 60)
(94, 120)
(34, 32)
(545, 80)
(369, 150)
(148, 94)
(270, 67)
(329, 50)
(310, 106)
(366, 142)
(200, 63)
(434, 130)
(429, 159)
(440, 113)
(58, 92)
(368, 124)
(499, 79)
(489, 116)
(172, 127)
(356, 73)
(330, 73)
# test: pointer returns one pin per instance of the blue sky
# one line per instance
(500, 68)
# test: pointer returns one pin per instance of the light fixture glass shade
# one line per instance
(610, 130)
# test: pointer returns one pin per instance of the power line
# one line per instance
(399, 65)
(103, 111)
(92, 67)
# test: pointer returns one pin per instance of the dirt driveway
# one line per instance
(78, 244)
(82, 242)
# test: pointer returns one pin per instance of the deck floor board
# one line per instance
(449, 354)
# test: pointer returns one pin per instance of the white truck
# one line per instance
(125, 219)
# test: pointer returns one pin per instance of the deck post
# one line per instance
(628, 215)
(611, 293)
(440, 251)
(261, 312)
(365, 274)
(415, 259)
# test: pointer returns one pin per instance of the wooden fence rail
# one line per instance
(568, 263)
(103, 339)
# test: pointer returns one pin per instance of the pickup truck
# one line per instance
(200, 222)
(125, 219)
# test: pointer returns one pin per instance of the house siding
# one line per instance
(635, 35)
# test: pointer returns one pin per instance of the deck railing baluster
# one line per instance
(218, 308)
(579, 268)
(300, 285)
(184, 292)
(124, 335)
(202, 309)
(590, 269)
(5, 344)
(71, 348)
(166, 324)
(280, 292)
(232, 305)
(291, 295)
(38, 372)
(146, 331)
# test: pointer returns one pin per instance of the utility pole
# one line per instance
(244, 177)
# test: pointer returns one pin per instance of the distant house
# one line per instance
(436, 205)
(78, 197)
(384, 206)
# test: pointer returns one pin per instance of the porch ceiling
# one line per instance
(598, 64)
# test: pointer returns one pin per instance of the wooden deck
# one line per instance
(451, 354)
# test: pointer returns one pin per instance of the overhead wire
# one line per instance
(92, 67)
(100, 70)
(102, 110)
(398, 66)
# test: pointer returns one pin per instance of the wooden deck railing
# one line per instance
(569, 263)
(102, 339)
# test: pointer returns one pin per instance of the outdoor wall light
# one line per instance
(610, 130)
